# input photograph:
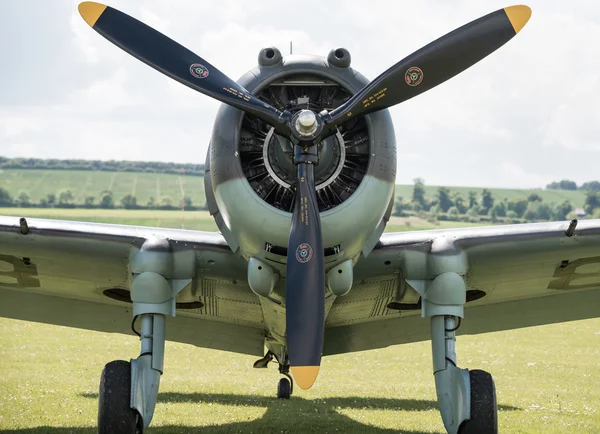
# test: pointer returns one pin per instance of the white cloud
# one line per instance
(84, 40)
(510, 120)
(23, 150)
(522, 176)
(12, 125)
(236, 47)
(574, 130)
(154, 20)
(108, 94)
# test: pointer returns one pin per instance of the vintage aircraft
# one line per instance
(300, 179)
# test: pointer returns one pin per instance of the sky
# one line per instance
(525, 116)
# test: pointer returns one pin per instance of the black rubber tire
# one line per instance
(484, 408)
(284, 390)
(114, 414)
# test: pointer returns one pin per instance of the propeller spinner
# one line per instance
(433, 64)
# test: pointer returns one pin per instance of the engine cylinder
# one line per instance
(250, 173)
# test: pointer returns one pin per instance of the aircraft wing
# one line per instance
(526, 275)
(531, 274)
(61, 272)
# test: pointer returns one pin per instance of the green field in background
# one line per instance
(577, 197)
(193, 220)
(39, 183)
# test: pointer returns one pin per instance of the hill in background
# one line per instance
(576, 197)
(106, 166)
(166, 188)
(94, 184)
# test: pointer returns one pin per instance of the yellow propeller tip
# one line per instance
(305, 376)
(518, 16)
(91, 11)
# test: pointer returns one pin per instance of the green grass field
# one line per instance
(546, 379)
(577, 197)
(194, 220)
(39, 183)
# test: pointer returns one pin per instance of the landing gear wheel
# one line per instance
(284, 389)
(114, 414)
(484, 408)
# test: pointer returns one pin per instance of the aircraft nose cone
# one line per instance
(306, 123)
(307, 119)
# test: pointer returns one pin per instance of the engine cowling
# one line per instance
(250, 174)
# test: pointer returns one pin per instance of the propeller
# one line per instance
(174, 60)
(435, 63)
(423, 70)
(305, 268)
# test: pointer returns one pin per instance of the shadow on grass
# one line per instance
(238, 428)
(295, 415)
(353, 402)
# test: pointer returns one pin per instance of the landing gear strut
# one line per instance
(467, 399)
(128, 390)
(285, 387)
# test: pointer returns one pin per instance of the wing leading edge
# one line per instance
(59, 273)
(78, 274)
(516, 276)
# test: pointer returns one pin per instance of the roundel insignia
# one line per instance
(413, 76)
(304, 253)
(198, 70)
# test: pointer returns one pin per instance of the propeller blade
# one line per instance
(435, 63)
(172, 59)
(305, 282)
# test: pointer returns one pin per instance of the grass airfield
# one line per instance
(546, 377)
(193, 220)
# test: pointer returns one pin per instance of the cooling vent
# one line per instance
(266, 157)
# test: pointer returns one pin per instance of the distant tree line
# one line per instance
(106, 200)
(483, 207)
(106, 166)
(565, 184)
